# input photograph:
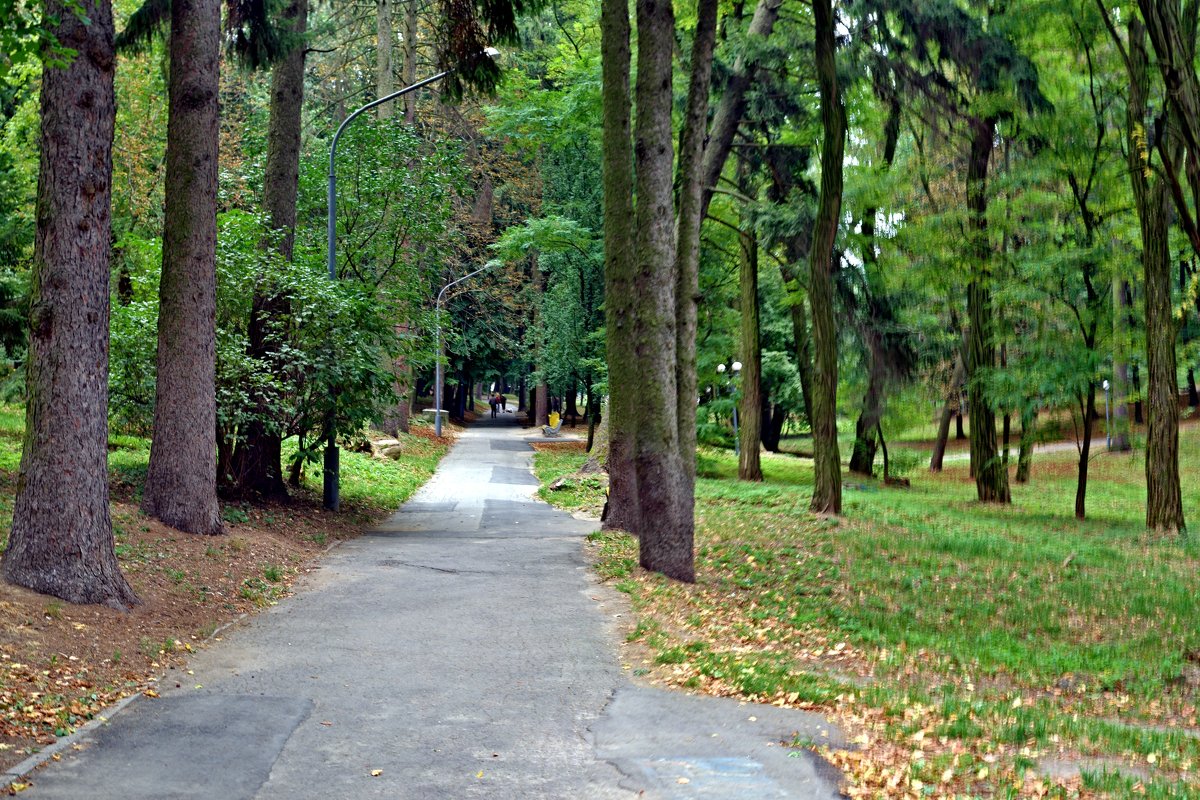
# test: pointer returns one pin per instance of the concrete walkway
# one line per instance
(457, 652)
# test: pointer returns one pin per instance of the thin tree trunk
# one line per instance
(181, 481)
(750, 403)
(827, 467)
(663, 490)
(862, 457)
(732, 106)
(620, 270)
(939, 445)
(61, 541)
(1120, 377)
(773, 417)
(1025, 454)
(991, 477)
(1085, 450)
(687, 244)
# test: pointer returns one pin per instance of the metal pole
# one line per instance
(437, 327)
(332, 472)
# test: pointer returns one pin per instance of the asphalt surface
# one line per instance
(462, 650)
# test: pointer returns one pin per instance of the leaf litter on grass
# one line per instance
(964, 649)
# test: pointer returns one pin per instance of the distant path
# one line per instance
(460, 651)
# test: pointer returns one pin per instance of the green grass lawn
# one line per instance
(369, 486)
(1018, 631)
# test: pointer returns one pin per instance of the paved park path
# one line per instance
(459, 651)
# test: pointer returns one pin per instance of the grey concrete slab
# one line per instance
(249, 731)
(675, 746)
(514, 476)
(456, 652)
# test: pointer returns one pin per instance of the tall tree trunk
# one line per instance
(687, 233)
(664, 494)
(750, 403)
(385, 82)
(181, 481)
(991, 477)
(939, 445)
(257, 464)
(61, 541)
(620, 269)
(410, 60)
(827, 466)
(1164, 505)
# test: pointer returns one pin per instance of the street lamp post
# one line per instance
(437, 327)
(332, 470)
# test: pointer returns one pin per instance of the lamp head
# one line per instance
(720, 369)
(737, 367)
(1105, 386)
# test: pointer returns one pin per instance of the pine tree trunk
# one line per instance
(1164, 506)
(61, 541)
(991, 476)
(750, 402)
(827, 467)
(620, 270)
(181, 482)
(663, 489)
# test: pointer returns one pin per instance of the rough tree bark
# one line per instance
(181, 481)
(663, 489)
(620, 271)
(991, 476)
(827, 467)
(257, 461)
(1164, 505)
(61, 541)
